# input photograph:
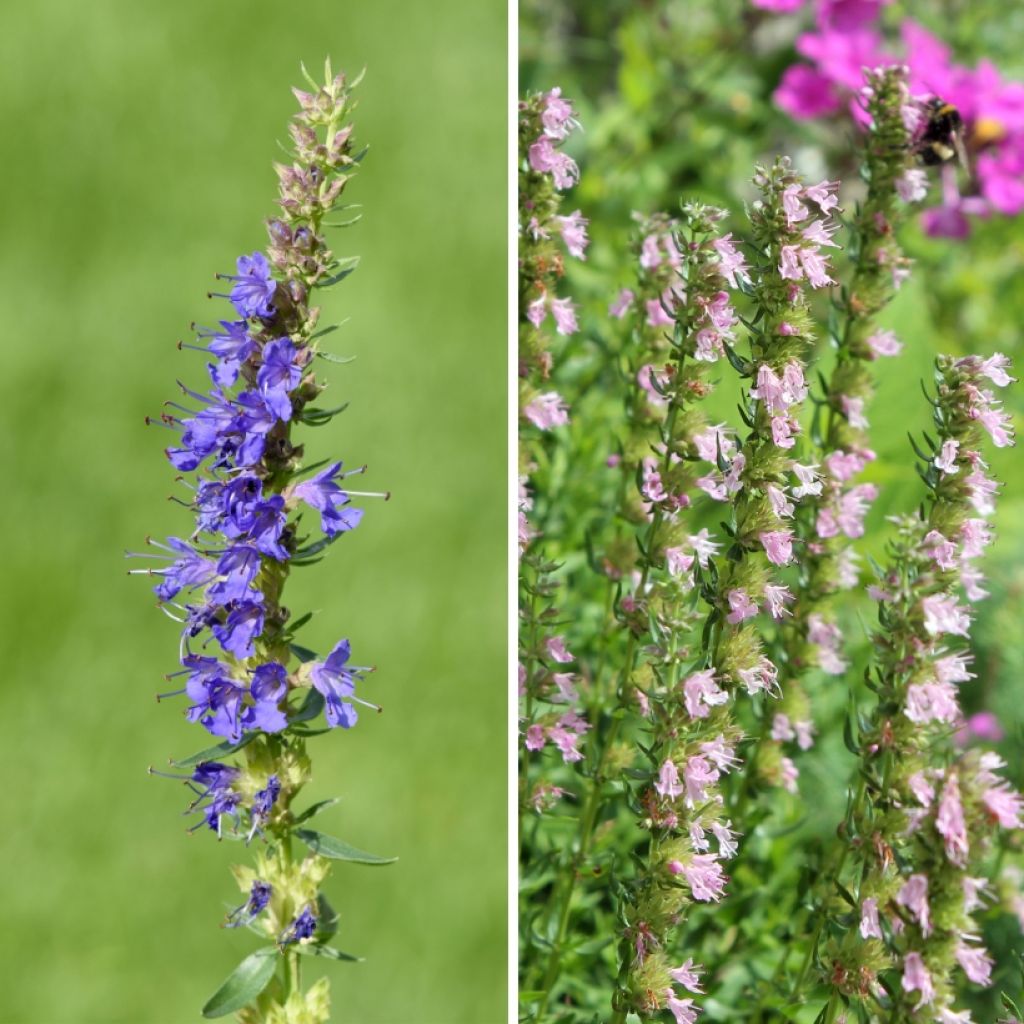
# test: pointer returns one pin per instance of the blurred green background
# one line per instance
(139, 141)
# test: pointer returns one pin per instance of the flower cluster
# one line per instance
(847, 39)
(245, 679)
(924, 815)
(547, 686)
(694, 737)
(833, 506)
(545, 122)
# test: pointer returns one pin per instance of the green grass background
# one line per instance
(138, 143)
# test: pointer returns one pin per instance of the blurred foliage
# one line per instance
(140, 139)
(675, 102)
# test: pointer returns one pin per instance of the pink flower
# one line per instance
(794, 210)
(825, 193)
(545, 159)
(828, 639)
(761, 676)
(704, 876)
(916, 977)
(778, 6)
(884, 343)
(682, 1009)
(557, 650)
(973, 889)
(942, 614)
(565, 316)
(815, 266)
(789, 774)
(688, 975)
(741, 606)
(804, 734)
(870, 926)
(704, 547)
(557, 116)
(789, 263)
(677, 561)
(819, 233)
(853, 506)
(714, 441)
(537, 310)
(810, 480)
(844, 464)
(620, 307)
(994, 368)
(701, 692)
(720, 753)
(949, 822)
(574, 233)
(778, 546)
(782, 728)
(931, 702)
(1004, 804)
(922, 789)
(668, 781)
(535, 737)
(698, 776)
(782, 431)
(953, 668)
(727, 846)
(776, 598)
(853, 410)
(657, 316)
(806, 93)
(941, 550)
(914, 896)
(650, 252)
(566, 741)
(708, 346)
(731, 264)
(976, 963)
(976, 535)
(547, 411)
(912, 185)
(566, 688)
(946, 459)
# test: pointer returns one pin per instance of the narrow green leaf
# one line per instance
(244, 983)
(315, 949)
(316, 808)
(212, 753)
(310, 707)
(304, 654)
(337, 849)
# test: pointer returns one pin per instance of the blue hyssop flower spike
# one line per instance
(257, 513)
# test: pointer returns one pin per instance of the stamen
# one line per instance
(371, 494)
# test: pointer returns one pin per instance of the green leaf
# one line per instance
(212, 753)
(322, 805)
(314, 949)
(531, 996)
(304, 654)
(326, 920)
(244, 983)
(331, 358)
(309, 708)
(337, 849)
(314, 417)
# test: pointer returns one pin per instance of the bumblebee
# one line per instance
(941, 139)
